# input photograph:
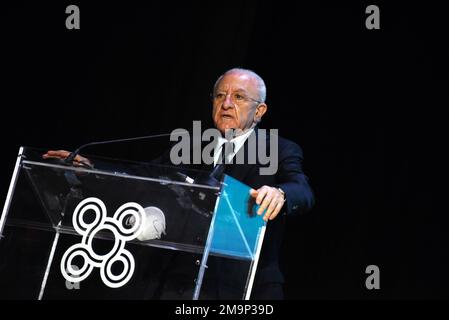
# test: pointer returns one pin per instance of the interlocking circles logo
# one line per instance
(118, 254)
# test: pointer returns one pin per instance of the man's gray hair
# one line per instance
(260, 83)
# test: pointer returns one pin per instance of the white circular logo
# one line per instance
(118, 253)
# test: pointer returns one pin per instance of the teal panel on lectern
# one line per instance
(237, 226)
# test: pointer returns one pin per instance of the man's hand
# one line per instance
(63, 154)
(268, 197)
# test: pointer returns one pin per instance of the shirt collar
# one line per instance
(238, 142)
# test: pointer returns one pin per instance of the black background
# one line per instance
(365, 105)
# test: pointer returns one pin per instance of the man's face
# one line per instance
(234, 105)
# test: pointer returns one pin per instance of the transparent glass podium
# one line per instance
(125, 230)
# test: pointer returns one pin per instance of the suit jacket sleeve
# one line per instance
(292, 180)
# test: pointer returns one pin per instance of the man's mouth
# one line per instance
(227, 116)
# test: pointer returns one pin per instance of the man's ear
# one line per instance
(260, 111)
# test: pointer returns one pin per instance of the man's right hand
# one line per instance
(63, 154)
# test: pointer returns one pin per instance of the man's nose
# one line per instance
(227, 103)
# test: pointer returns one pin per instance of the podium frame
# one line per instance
(232, 235)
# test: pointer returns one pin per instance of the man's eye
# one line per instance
(239, 97)
(219, 96)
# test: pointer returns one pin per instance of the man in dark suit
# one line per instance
(239, 104)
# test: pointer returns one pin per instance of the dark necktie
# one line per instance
(226, 150)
